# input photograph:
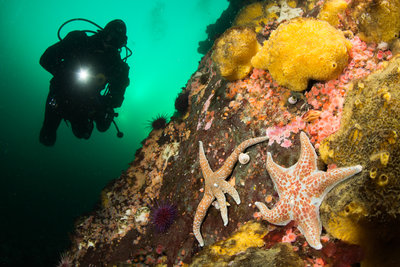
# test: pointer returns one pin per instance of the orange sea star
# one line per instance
(301, 189)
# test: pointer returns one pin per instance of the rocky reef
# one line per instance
(351, 117)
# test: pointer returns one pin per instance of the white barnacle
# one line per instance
(244, 158)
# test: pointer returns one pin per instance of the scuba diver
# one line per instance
(82, 67)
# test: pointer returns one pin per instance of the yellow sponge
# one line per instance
(233, 51)
(303, 49)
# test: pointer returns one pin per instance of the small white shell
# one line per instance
(383, 46)
(244, 158)
(292, 100)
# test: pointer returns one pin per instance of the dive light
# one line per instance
(83, 75)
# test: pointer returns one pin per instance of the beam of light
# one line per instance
(83, 75)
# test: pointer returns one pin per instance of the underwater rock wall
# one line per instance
(146, 216)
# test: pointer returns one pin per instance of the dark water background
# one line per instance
(42, 189)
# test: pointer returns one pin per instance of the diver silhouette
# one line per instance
(82, 67)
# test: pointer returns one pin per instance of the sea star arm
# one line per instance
(307, 218)
(278, 174)
(219, 194)
(225, 170)
(229, 189)
(308, 158)
(205, 167)
(320, 183)
(199, 216)
(278, 215)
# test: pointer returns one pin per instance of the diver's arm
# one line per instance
(53, 57)
(118, 83)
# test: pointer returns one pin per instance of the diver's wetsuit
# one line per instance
(77, 101)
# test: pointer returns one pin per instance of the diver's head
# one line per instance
(114, 33)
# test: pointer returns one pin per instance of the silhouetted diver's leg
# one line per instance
(52, 119)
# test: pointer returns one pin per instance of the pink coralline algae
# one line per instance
(206, 118)
(281, 134)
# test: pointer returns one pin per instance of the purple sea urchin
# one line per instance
(163, 215)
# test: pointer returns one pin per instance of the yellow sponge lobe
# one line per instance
(249, 13)
(303, 49)
(257, 14)
(233, 51)
(346, 225)
(331, 10)
(248, 235)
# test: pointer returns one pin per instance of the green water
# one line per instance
(44, 189)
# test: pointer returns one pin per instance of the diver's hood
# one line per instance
(114, 33)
